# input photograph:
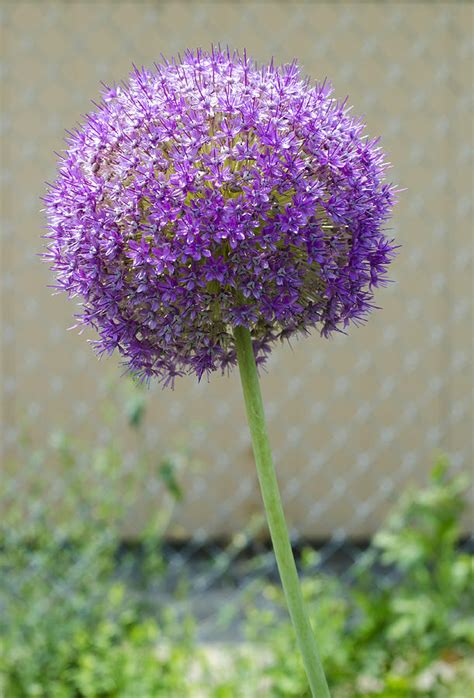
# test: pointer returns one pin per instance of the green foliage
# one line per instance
(406, 630)
(68, 627)
(168, 475)
(429, 600)
(73, 625)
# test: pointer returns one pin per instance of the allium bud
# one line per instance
(209, 193)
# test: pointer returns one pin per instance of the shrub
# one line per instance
(68, 626)
(404, 626)
(73, 624)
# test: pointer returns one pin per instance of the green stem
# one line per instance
(275, 515)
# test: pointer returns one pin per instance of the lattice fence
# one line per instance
(351, 419)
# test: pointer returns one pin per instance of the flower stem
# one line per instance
(275, 515)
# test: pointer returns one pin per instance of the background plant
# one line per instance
(401, 624)
(81, 613)
(68, 624)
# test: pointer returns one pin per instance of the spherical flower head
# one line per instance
(209, 193)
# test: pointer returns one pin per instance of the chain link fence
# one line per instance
(352, 419)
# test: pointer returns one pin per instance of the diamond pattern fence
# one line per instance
(353, 419)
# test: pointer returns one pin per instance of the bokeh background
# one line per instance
(353, 419)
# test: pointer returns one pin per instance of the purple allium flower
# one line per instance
(208, 193)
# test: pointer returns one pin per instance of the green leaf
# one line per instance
(135, 410)
(167, 473)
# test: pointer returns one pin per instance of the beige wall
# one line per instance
(351, 419)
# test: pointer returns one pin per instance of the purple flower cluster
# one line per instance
(209, 193)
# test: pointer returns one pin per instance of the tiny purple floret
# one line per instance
(209, 193)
